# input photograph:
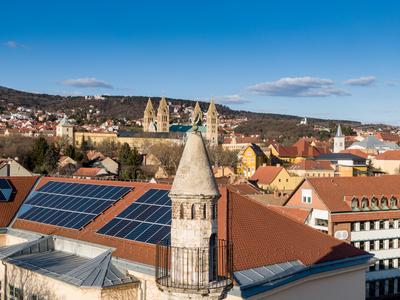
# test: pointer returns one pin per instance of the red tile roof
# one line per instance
(21, 188)
(389, 155)
(297, 214)
(266, 174)
(89, 172)
(387, 136)
(333, 191)
(260, 236)
(310, 165)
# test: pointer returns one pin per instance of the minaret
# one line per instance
(163, 116)
(212, 124)
(195, 256)
(196, 111)
(149, 115)
(338, 141)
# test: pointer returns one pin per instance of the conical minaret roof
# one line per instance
(149, 105)
(194, 176)
(339, 131)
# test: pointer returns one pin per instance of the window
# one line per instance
(391, 244)
(306, 196)
(371, 245)
(354, 204)
(381, 244)
(193, 214)
(362, 245)
(362, 226)
(381, 224)
(181, 212)
(391, 224)
(214, 211)
(14, 293)
(381, 264)
(353, 226)
(374, 203)
(205, 211)
(384, 203)
(321, 222)
(364, 203)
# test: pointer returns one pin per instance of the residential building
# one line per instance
(250, 159)
(363, 211)
(10, 167)
(275, 178)
(312, 168)
(388, 162)
(92, 173)
(346, 164)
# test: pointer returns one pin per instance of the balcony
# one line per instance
(194, 270)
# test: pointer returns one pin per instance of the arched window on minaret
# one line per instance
(182, 212)
(205, 211)
(193, 212)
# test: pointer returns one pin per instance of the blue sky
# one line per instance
(329, 59)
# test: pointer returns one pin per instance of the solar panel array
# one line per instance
(70, 205)
(5, 190)
(148, 219)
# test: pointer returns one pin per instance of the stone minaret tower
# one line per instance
(339, 141)
(194, 253)
(149, 116)
(163, 116)
(212, 124)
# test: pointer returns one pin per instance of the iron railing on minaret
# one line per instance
(194, 268)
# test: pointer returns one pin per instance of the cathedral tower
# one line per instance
(163, 116)
(212, 124)
(149, 117)
(196, 111)
(195, 264)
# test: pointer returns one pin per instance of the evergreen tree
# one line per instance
(130, 160)
(38, 154)
(51, 159)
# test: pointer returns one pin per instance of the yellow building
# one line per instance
(275, 178)
(250, 159)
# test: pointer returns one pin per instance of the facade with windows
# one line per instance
(363, 211)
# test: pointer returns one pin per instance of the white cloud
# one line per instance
(393, 82)
(232, 99)
(298, 87)
(13, 44)
(87, 83)
(361, 81)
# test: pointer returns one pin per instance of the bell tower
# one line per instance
(149, 116)
(163, 116)
(195, 265)
(339, 141)
(212, 124)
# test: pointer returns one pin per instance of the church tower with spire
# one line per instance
(195, 265)
(163, 116)
(196, 111)
(212, 124)
(149, 117)
(339, 141)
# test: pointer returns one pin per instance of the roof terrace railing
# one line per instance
(195, 269)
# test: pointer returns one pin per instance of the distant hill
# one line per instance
(131, 107)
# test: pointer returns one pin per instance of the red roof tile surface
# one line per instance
(310, 165)
(297, 214)
(90, 172)
(21, 188)
(389, 155)
(333, 191)
(266, 174)
(260, 236)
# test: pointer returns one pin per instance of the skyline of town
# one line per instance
(292, 58)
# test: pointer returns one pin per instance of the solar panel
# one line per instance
(5, 190)
(148, 219)
(68, 204)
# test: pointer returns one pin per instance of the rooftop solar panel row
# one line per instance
(70, 205)
(148, 219)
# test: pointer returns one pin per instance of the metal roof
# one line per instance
(340, 156)
(251, 277)
(41, 257)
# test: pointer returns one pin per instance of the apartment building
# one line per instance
(363, 211)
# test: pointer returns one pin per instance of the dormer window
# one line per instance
(354, 204)
(374, 203)
(393, 203)
(364, 204)
(384, 203)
